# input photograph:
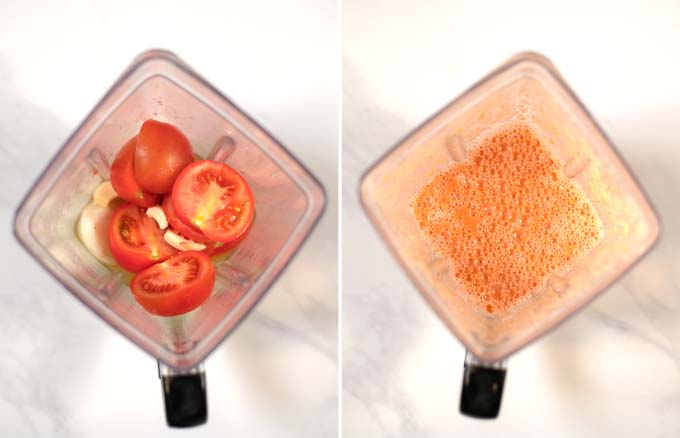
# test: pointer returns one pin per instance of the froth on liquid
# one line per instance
(507, 218)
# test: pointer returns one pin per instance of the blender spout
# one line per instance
(184, 395)
(482, 387)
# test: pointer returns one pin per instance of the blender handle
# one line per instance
(184, 395)
(482, 387)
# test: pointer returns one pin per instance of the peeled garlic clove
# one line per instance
(104, 194)
(182, 243)
(93, 230)
(156, 213)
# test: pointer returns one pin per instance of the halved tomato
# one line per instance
(136, 241)
(215, 249)
(123, 177)
(215, 199)
(185, 230)
(162, 152)
(175, 286)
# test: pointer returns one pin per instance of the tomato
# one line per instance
(215, 199)
(213, 249)
(162, 152)
(176, 286)
(185, 230)
(123, 177)
(136, 241)
(216, 249)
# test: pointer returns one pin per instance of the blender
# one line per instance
(526, 89)
(288, 203)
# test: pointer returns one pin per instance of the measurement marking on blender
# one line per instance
(575, 165)
(439, 266)
(96, 159)
(230, 298)
(558, 284)
(231, 273)
(454, 145)
(222, 149)
(111, 284)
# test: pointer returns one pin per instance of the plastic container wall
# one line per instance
(288, 202)
(527, 90)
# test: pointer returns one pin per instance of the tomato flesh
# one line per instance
(176, 223)
(176, 286)
(135, 240)
(123, 177)
(161, 154)
(214, 198)
(216, 249)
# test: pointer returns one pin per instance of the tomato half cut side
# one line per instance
(176, 286)
(123, 177)
(214, 198)
(161, 154)
(136, 241)
(216, 249)
(185, 230)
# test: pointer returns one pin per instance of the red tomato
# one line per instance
(123, 177)
(162, 152)
(185, 230)
(176, 286)
(135, 239)
(214, 198)
(216, 249)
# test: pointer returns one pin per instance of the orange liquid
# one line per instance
(506, 218)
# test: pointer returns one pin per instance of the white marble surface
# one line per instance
(612, 369)
(63, 372)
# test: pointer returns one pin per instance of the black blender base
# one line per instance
(185, 400)
(482, 391)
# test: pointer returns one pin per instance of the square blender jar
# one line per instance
(288, 203)
(527, 89)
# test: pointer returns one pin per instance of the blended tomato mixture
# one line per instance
(506, 217)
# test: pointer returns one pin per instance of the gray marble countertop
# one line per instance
(613, 369)
(63, 372)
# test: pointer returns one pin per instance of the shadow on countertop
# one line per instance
(49, 341)
(640, 311)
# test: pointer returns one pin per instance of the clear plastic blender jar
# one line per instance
(288, 203)
(527, 89)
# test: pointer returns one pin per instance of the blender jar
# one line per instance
(288, 203)
(526, 89)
